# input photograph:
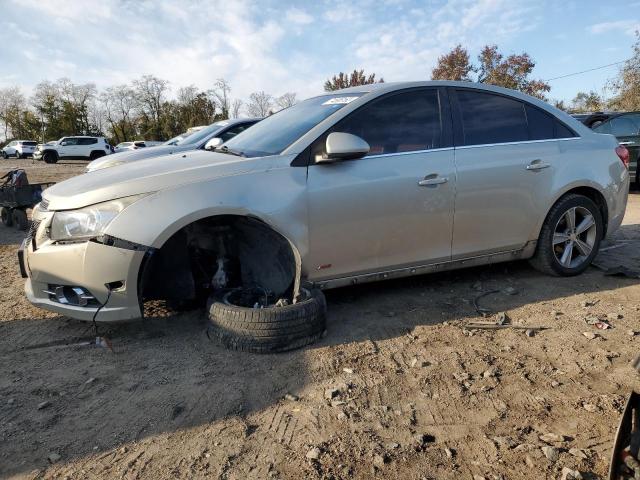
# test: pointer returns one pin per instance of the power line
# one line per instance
(585, 71)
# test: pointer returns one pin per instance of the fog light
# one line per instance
(66, 295)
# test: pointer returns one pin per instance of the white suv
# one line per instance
(19, 149)
(84, 148)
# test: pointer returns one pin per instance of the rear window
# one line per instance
(30, 144)
(87, 141)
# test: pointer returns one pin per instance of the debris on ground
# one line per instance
(552, 453)
(43, 405)
(291, 397)
(590, 335)
(313, 454)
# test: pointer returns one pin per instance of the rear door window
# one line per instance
(87, 141)
(540, 124)
(397, 123)
(487, 118)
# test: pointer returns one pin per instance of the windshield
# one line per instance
(275, 133)
(202, 134)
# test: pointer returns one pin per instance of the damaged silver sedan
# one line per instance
(363, 184)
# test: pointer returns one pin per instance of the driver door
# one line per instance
(68, 147)
(394, 207)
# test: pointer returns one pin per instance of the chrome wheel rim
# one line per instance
(574, 237)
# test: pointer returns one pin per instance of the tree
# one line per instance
(236, 108)
(587, 102)
(626, 85)
(12, 103)
(286, 100)
(260, 104)
(151, 93)
(560, 105)
(454, 65)
(512, 72)
(221, 91)
(119, 104)
(343, 80)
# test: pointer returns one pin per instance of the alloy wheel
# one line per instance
(574, 237)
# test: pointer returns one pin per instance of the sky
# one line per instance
(294, 46)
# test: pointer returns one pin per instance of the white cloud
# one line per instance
(297, 16)
(627, 26)
(254, 46)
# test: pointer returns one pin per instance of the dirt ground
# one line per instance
(416, 394)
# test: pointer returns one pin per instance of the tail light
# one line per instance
(623, 154)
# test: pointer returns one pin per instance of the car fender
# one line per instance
(276, 197)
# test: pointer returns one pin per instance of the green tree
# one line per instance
(587, 102)
(455, 65)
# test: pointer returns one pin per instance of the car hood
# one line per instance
(153, 175)
(127, 156)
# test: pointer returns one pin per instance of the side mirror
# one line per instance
(213, 143)
(343, 146)
(62, 144)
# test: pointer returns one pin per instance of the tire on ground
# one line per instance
(96, 154)
(544, 259)
(7, 216)
(50, 157)
(270, 329)
(20, 219)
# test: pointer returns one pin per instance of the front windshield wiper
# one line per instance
(228, 151)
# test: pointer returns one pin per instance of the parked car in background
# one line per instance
(364, 184)
(626, 128)
(220, 131)
(592, 119)
(76, 147)
(195, 129)
(134, 145)
(19, 149)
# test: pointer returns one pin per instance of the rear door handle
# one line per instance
(537, 165)
(432, 179)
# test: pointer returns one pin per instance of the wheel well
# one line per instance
(597, 198)
(217, 253)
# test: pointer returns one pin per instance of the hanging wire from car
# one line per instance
(101, 341)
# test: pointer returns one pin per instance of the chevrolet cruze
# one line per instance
(363, 184)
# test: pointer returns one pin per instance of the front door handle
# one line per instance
(537, 165)
(432, 179)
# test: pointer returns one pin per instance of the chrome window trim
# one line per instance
(379, 155)
(518, 143)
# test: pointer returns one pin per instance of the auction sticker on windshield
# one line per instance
(340, 100)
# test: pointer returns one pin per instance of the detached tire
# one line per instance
(270, 329)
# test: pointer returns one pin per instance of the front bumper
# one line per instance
(89, 265)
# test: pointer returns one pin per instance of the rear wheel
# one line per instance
(96, 154)
(4, 155)
(7, 216)
(49, 157)
(570, 237)
(20, 219)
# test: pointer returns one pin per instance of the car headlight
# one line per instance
(88, 222)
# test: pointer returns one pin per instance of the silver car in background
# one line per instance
(363, 184)
(222, 131)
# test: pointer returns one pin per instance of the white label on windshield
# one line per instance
(339, 100)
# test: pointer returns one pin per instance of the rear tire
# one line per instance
(4, 155)
(20, 219)
(50, 157)
(269, 329)
(567, 247)
(7, 216)
(96, 154)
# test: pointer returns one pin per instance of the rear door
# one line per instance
(394, 207)
(506, 153)
(626, 128)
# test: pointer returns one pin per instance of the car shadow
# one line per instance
(164, 375)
